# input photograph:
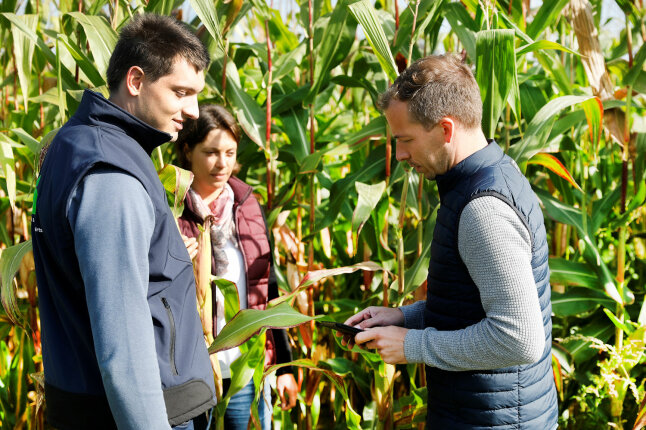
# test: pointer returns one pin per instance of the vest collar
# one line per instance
(487, 156)
(98, 111)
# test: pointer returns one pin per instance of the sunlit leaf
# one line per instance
(365, 14)
(100, 35)
(593, 109)
(496, 74)
(23, 49)
(539, 128)
(547, 14)
(248, 322)
(637, 68)
(249, 114)
(552, 163)
(83, 61)
(576, 301)
(208, 15)
(10, 259)
(541, 45)
(356, 140)
(369, 196)
(176, 182)
(7, 163)
(566, 272)
(333, 39)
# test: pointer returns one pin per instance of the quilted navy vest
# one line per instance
(519, 397)
(101, 133)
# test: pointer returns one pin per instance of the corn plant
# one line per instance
(350, 226)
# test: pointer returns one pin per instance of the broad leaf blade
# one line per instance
(7, 163)
(176, 182)
(576, 301)
(23, 48)
(100, 35)
(10, 260)
(248, 322)
(554, 164)
(369, 196)
(208, 15)
(496, 74)
(365, 14)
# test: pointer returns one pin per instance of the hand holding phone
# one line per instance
(343, 328)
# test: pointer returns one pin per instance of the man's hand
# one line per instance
(286, 385)
(191, 246)
(388, 341)
(374, 316)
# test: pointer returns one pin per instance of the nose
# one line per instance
(191, 108)
(220, 163)
(401, 154)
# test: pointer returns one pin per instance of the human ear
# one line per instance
(448, 128)
(134, 80)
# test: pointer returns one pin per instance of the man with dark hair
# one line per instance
(484, 331)
(123, 345)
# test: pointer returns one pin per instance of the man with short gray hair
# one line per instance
(484, 331)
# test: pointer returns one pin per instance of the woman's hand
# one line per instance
(286, 385)
(191, 246)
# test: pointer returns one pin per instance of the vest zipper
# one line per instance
(172, 336)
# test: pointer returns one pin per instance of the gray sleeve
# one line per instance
(495, 246)
(414, 314)
(112, 218)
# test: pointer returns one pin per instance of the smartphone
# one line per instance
(345, 329)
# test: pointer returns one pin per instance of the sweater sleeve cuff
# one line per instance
(413, 346)
(414, 315)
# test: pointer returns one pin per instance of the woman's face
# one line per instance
(212, 162)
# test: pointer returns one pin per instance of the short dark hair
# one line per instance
(211, 117)
(154, 42)
(435, 87)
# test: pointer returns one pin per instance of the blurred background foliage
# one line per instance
(562, 95)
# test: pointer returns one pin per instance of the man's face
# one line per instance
(425, 150)
(167, 102)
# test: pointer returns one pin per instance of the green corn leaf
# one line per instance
(28, 140)
(250, 116)
(84, 63)
(543, 44)
(369, 196)
(23, 48)
(162, 7)
(353, 419)
(365, 14)
(208, 15)
(566, 214)
(7, 163)
(310, 163)
(355, 141)
(100, 35)
(10, 259)
(287, 63)
(539, 128)
(243, 368)
(176, 182)
(461, 25)
(294, 125)
(619, 324)
(231, 298)
(248, 322)
(638, 67)
(496, 75)
(335, 37)
(547, 14)
(566, 272)
(576, 301)
(46, 50)
(580, 349)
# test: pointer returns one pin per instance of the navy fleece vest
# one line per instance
(520, 397)
(100, 133)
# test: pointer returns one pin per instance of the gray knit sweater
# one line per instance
(496, 248)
